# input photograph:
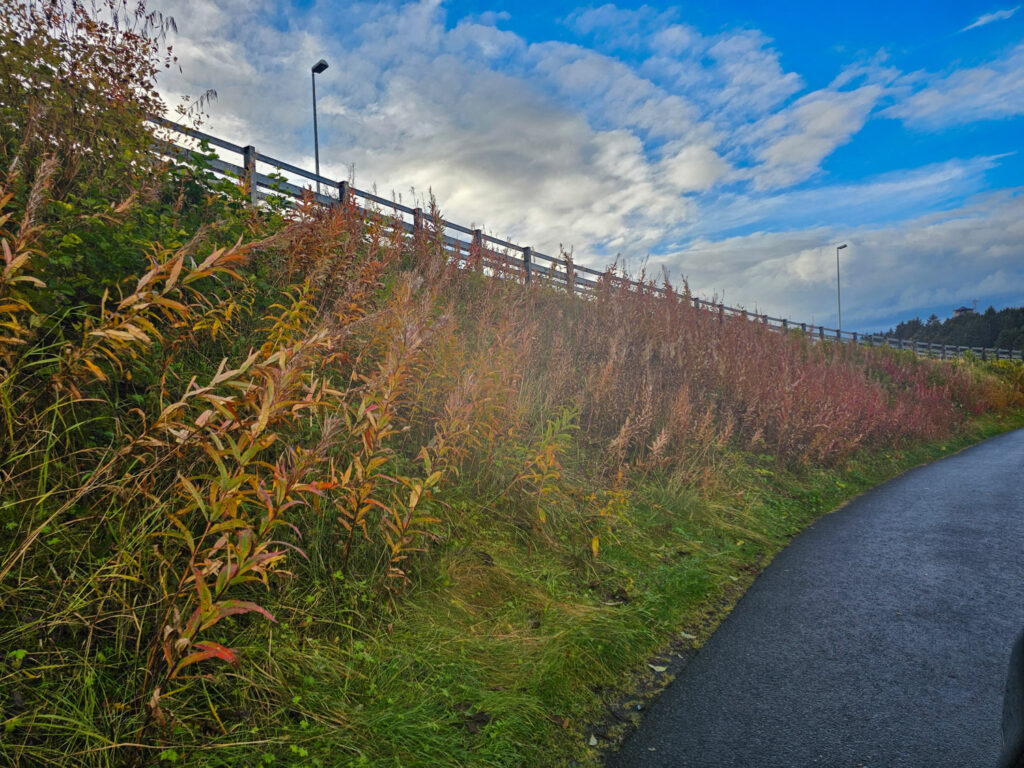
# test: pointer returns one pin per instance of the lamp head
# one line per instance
(319, 67)
(840, 247)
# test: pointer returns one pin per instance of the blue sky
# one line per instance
(733, 144)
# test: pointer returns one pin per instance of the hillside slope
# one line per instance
(282, 486)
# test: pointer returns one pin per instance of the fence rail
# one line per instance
(506, 257)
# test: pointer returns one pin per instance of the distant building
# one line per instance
(962, 311)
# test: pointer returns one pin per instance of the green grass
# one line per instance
(510, 655)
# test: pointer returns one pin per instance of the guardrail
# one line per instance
(503, 256)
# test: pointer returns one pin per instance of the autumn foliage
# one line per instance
(241, 399)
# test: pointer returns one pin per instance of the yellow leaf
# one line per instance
(29, 279)
(595, 545)
(95, 369)
(175, 271)
(268, 403)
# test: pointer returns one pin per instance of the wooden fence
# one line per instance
(500, 255)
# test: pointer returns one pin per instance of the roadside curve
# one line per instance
(879, 637)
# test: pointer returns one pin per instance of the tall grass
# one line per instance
(241, 403)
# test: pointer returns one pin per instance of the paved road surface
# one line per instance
(879, 637)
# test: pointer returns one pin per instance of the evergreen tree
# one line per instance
(1000, 329)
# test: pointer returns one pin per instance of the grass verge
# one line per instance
(508, 658)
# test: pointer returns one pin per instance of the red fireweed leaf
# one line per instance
(207, 650)
(236, 607)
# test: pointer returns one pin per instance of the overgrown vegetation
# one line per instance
(285, 487)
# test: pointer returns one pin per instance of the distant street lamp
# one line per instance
(319, 67)
(839, 300)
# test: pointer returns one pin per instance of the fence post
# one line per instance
(943, 356)
(249, 164)
(721, 313)
(839, 335)
(527, 262)
(803, 327)
(821, 332)
(477, 249)
(855, 338)
(343, 193)
(785, 325)
(417, 220)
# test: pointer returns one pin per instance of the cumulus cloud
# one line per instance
(693, 167)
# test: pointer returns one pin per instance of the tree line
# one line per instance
(1002, 329)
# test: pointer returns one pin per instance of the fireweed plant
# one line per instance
(208, 411)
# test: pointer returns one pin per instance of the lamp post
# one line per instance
(319, 67)
(839, 300)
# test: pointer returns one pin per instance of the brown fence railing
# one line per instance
(501, 255)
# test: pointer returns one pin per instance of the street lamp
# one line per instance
(839, 300)
(319, 67)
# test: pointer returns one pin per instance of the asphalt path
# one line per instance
(879, 637)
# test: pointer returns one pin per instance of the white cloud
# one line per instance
(734, 76)
(988, 18)
(617, 27)
(988, 92)
(693, 168)
(891, 196)
(753, 77)
(888, 273)
(792, 143)
(611, 93)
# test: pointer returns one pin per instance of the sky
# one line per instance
(730, 144)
